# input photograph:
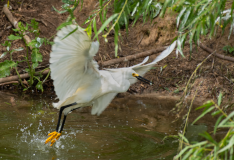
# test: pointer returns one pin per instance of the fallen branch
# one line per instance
(22, 76)
(14, 22)
(216, 54)
(132, 57)
(22, 17)
(8, 83)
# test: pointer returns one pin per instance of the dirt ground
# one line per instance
(215, 74)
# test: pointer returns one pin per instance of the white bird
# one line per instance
(77, 80)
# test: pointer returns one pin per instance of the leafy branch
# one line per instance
(199, 17)
(124, 10)
(36, 56)
(210, 148)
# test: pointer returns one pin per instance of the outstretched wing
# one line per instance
(71, 60)
(142, 69)
(102, 102)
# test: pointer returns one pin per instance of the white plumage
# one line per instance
(76, 75)
(77, 78)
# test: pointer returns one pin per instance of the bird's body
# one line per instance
(77, 80)
(91, 93)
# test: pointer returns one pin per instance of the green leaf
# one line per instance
(183, 137)
(230, 144)
(25, 89)
(207, 104)
(225, 48)
(203, 113)
(208, 137)
(104, 14)
(231, 49)
(64, 25)
(125, 21)
(34, 24)
(185, 157)
(39, 42)
(19, 49)
(5, 68)
(147, 5)
(6, 44)
(95, 27)
(27, 69)
(36, 56)
(7, 103)
(220, 98)
(227, 125)
(226, 119)
(34, 65)
(135, 9)
(116, 40)
(12, 37)
(40, 86)
(182, 152)
(179, 16)
(105, 24)
(30, 82)
(70, 32)
(16, 30)
(3, 54)
(157, 9)
(216, 113)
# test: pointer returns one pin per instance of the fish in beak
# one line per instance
(142, 79)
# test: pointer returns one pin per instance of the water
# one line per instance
(127, 129)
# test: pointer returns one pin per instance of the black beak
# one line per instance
(142, 79)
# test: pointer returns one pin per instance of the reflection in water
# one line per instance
(125, 130)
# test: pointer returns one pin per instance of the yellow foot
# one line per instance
(53, 137)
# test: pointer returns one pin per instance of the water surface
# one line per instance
(127, 129)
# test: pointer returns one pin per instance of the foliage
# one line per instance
(228, 49)
(36, 57)
(200, 17)
(124, 11)
(195, 18)
(210, 148)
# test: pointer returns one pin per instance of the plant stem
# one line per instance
(30, 68)
(112, 27)
(19, 76)
(43, 70)
(46, 77)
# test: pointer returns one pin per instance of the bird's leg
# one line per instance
(56, 134)
(56, 137)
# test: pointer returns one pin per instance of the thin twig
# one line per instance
(8, 83)
(21, 4)
(22, 76)
(140, 39)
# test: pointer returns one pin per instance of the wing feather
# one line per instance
(102, 102)
(142, 69)
(71, 60)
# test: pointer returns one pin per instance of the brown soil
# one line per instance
(215, 74)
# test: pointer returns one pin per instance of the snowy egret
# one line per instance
(77, 80)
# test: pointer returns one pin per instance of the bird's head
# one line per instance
(132, 74)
